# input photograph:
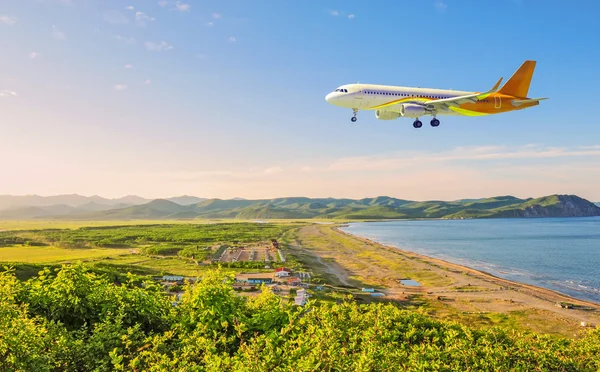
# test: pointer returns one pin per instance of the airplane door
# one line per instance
(497, 102)
(358, 98)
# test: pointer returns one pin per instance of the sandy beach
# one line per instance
(448, 291)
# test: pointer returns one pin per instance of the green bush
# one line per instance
(76, 320)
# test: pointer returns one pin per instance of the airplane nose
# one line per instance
(329, 97)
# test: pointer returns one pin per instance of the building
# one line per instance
(260, 280)
(282, 272)
(300, 300)
(294, 281)
(173, 278)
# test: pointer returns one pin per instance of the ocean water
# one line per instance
(562, 254)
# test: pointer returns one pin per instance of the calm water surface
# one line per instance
(562, 254)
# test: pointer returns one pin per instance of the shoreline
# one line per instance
(541, 293)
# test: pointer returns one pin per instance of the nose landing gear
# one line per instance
(354, 118)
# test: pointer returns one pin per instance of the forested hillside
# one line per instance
(76, 320)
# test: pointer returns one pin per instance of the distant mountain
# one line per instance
(186, 199)
(598, 204)
(382, 207)
(74, 200)
(36, 212)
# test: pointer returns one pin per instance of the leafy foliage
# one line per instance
(75, 320)
(133, 236)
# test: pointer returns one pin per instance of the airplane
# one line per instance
(392, 102)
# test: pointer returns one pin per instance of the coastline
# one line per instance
(532, 290)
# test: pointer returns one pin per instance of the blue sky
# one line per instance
(226, 98)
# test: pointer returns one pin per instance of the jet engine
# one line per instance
(386, 115)
(410, 110)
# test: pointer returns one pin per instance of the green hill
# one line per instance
(382, 207)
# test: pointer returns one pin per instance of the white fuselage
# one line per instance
(386, 97)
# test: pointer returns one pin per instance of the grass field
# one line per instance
(133, 246)
(7, 225)
(54, 254)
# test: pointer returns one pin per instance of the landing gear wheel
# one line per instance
(417, 124)
(434, 122)
(353, 119)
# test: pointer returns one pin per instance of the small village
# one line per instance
(283, 281)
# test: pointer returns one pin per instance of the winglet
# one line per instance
(493, 90)
(496, 86)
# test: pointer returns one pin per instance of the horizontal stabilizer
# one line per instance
(519, 102)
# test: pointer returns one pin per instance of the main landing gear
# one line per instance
(354, 118)
(418, 124)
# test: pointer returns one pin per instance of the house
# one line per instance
(173, 278)
(260, 280)
(294, 281)
(282, 272)
(300, 300)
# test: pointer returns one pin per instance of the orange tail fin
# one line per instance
(518, 84)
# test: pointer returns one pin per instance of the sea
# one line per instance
(561, 254)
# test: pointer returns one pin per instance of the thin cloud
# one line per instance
(33, 55)
(8, 93)
(273, 170)
(148, 82)
(120, 87)
(182, 7)
(163, 46)
(440, 6)
(57, 34)
(163, 3)
(210, 24)
(401, 160)
(232, 39)
(141, 18)
(126, 40)
(216, 16)
(8, 20)
(128, 66)
(337, 13)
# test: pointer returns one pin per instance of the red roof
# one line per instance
(293, 280)
(283, 269)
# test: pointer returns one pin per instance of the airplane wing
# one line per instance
(456, 101)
